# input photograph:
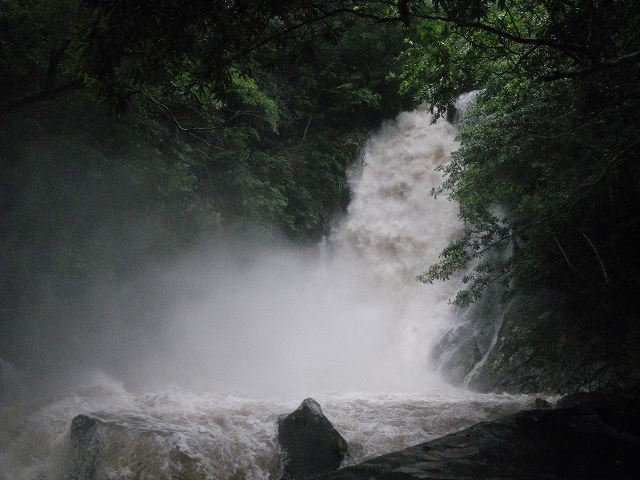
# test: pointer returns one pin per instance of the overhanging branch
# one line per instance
(49, 90)
(46, 94)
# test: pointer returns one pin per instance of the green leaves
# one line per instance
(529, 179)
(249, 94)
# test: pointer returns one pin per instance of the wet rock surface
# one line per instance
(84, 448)
(466, 343)
(542, 342)
(310, 444)
(541, 404)
(596, 438)
(102, 449)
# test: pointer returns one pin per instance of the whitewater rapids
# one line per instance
(242, 333)
(228, 437)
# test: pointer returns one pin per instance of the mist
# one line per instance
(253, 313)
(200, 352)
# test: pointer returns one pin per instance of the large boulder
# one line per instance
(85, 448)
(589, 439)
(310, 444)
(101, 448)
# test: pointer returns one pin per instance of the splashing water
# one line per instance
(264, 327)
(348, 316)
(209, 436)
(396, 228)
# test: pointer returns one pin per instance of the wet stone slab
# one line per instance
(590, 439)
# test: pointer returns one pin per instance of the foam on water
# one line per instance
(265, 328)
(149, 436)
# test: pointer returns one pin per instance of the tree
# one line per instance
(235, 85)
(547, 164)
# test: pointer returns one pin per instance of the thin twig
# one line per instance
(566, 257)
(595, 251)
(304, 135)
(189, 131)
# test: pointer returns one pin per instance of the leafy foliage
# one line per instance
(543, 152)
(253, 111)
(262, 137)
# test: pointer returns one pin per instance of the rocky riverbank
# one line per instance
(586, 436)
(543, 341)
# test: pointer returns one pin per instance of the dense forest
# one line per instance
(138, 127)
(246, 111)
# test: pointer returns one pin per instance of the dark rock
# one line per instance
(184, 467)
(84, 448)
(310, 444)
(457, 353)
(542, 404)
(147, 453)
(554, 444)
(533, 351)
(452, 115)
(585, 398)
(465, 345)
(621, 412)
(542, 341)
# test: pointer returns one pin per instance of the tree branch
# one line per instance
(566, 257)
(569, 207)
(189, 131)
(598, 257)
(568, 47)
(595, 67)
(468, 24)
(49, 89)
(40, 96)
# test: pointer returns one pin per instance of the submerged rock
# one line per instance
(310, 444)
(592, 440)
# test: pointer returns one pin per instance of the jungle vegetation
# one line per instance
(202, 115)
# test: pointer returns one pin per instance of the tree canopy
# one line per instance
(547, 168)
(254, 110)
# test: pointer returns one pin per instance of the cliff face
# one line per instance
(544, 342)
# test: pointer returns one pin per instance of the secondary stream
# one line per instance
(251, 330)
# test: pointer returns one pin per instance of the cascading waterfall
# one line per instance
(349, 316)
(250, 332)
(396, 227)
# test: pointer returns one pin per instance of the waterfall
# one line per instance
(347, 316)
(248, 316)
(243, 330)
(396, 228)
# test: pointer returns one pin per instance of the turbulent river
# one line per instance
(228, 437)
(247, 330)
